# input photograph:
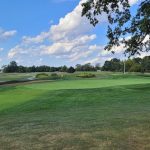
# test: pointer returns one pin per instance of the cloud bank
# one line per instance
(71, 39)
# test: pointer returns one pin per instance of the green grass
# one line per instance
(14, 76)
(87, 83)
(88, 114)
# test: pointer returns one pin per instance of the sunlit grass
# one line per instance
(107, 114)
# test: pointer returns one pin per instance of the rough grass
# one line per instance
(99, 114)
(42, 75)
(86, 75)
(14, 76)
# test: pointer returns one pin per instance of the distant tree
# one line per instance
(4, 68)
(33, 69)
(42, 68)
(98, 66)
(116, 65)
(112, 65)
(135, 65)
(129, 63)
(146, 64)
(21, 69)
(135, 68)
(107, 66)
(85, 67)
(78, 67)
(13, 64)
(11, 68)
(71, 70)
(53, 69)
(64, 69)
(137, 60)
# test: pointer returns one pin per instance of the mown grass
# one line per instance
(88, 83)
(96, 114)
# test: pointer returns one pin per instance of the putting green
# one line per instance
(87, 83)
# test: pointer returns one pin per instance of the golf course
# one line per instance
(75, 75)
(110, 111)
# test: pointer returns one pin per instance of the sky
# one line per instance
(52, 32)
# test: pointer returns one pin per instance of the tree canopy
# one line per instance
(122, 24)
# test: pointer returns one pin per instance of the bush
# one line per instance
(54, 76)
(42, 75)
(86, 75)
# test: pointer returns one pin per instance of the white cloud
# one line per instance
(147, 38)
(71, 25)
(37, 39)
(86, 51)
(4, 35)
(14, 51)
(93, 61)
(68, 46)
(117, 49)
(1, 49)
(25, 50)
(70, 39)
(132, 2)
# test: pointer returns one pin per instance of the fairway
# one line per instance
(77, 114)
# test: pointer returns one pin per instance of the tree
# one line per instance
(107, 66)
(146, 64)
(129, 63)
(21, 69)
(121, 24)
(71, 70)
(13, 64)
(135, 65)
(98, 66)
(85, 67)
(137, 60)
(78, 67)
(135, 68)
(63, 69)
(112, 65)
(11, 68)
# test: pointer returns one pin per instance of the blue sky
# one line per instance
(51, 32)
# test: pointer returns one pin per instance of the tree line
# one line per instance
(115, 65)
(13, 67)
(131, 65)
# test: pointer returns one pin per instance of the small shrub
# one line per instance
(42, 75)
(86, 75)
(54, 76)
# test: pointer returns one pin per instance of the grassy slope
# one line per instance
(14, 76)
(46, 116)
